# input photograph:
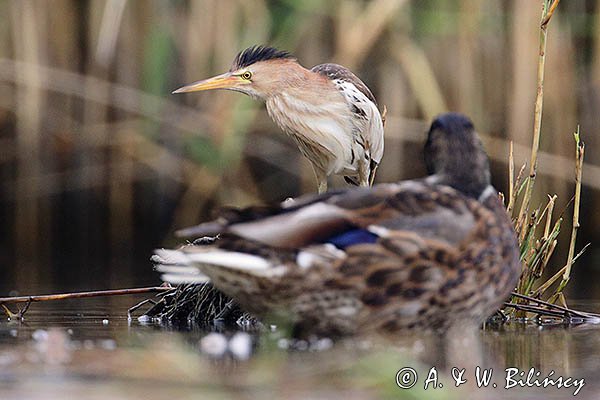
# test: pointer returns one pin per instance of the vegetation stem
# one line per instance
(579, 153)
(547, 12)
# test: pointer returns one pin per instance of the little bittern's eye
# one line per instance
(246, 75)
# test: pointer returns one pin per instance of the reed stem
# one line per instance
(547, 12)
(579, 153)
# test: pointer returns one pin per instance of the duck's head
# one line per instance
(455, 157)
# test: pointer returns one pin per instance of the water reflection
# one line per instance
(89, 349)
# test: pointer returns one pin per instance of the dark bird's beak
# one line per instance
(223, 81)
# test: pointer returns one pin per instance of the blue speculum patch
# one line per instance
(352, 237)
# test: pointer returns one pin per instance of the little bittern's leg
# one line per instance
(373, 171)
(322, 186)
(363, 173)
(321, 179)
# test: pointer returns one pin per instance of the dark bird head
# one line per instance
(454, 155)
(258, 71)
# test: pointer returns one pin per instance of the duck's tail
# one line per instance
(196, 264)
(175, 268)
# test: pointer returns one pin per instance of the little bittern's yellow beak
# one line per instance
(223, 81)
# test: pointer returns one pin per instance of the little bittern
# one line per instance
(331, 114)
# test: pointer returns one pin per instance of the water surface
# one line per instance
(88, 349)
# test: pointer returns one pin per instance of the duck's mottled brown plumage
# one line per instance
(417, 254)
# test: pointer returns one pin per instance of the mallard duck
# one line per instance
(428, 253)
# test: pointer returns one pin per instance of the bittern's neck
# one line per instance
(289, 79)
(302, 99)
(315, 114)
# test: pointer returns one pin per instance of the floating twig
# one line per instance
(77, 295)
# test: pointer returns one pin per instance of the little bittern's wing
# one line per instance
(338, 72)
(367, 117)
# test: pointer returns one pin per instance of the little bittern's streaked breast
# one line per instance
(331, 114)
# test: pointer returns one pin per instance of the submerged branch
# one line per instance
(541, 308)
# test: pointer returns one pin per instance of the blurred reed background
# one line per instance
(99, 163)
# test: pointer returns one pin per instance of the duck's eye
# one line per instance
(246, 75)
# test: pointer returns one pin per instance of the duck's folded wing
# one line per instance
(228, 216)
(316, 221)
(440, 221)
(357, 216)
